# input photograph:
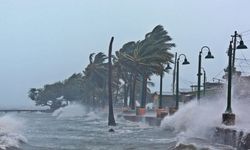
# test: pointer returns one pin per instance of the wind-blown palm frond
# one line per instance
(91, 58)
(96, 75)
(100, 58)
(148, 56)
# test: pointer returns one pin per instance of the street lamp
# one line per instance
(209, 56)
(161, 112)
(185, 62)
(228, 118)
(240, 46)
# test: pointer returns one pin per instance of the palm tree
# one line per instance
(111, 118)
(145, 58)
(129, 73)
(72, 88)
(95, 78)
(154, 53)
(124, 72)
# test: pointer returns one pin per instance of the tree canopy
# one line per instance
(133, 64)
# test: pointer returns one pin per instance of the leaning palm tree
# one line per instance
(95, 78)
(154, 52)
(145, 58)
(111, 118)
(127, 70)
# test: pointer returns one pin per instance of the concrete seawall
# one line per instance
(221, 135)
(232, 137)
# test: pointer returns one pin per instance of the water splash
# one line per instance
(72, 110)
(198, 120)
(78, 110)
(91, 116)
(195, 119)
(10, 136)
(242, 111)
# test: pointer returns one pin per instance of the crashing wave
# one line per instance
(10, 138)
(72, 110)
(194, 119)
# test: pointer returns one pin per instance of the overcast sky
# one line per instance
(44, 41)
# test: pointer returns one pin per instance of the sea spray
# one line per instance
(10, 132)
(78, 110)
(198, 121)
(92, 116)
(242, 111)
(72, 110)
(195, 119)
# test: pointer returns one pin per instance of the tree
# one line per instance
(111, 118)
(48, 95)
(96, 78)
(33, 92)
(145, 58)
(153, 52)
(128, 71)
(73, 88)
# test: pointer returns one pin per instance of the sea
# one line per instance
(77, 128)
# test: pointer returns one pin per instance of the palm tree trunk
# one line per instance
(102, 98)
(116, 94)
(125, 94)
(130, 90)
(144, 91)
(105, 98)
(132, 98)
(117, 86)
(111, 118)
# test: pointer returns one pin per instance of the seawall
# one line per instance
(221, 135)
(232, 137)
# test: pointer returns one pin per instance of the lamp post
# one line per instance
(160, 113)
(228, 118)
(185, 62)
(209, 56)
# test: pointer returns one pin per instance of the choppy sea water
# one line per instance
(67, 130)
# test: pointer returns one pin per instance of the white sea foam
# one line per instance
(10, 132)
(197, 119)
(78, 110)
(72, 110)
(92, 116)
(194, 119)
(242, 111)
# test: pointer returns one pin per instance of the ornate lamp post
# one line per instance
(228, 118)
(185, 62)
(209, 56)
(160, 112)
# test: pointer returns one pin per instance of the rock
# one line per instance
(185, 147)
(111, 130)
